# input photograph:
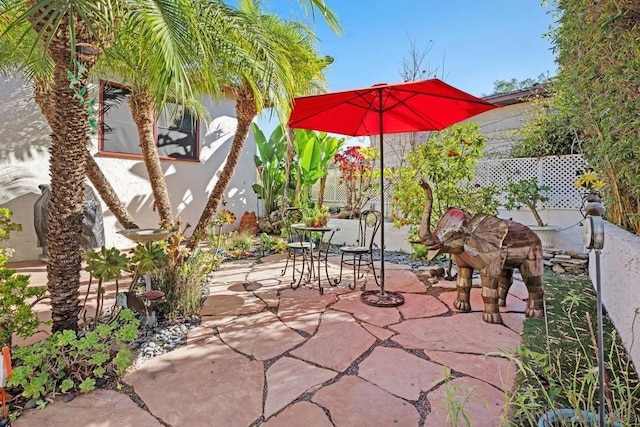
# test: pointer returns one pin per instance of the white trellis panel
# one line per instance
(557, 172)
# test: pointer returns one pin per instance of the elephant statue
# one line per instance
(494, 247)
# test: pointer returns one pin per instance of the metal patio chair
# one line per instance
(369, 223)
(296, 245)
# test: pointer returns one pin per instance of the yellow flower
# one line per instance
(589, 180)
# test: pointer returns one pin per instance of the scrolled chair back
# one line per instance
(370, 222)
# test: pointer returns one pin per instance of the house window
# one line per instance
(175, 128)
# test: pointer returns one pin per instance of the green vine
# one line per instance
(79, 87)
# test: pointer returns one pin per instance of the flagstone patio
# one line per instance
(266, 354)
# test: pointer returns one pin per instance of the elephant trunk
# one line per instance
(424, 233)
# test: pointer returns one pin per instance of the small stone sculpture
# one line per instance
(92, 224)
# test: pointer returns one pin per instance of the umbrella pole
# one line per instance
(382, 298)
(382, 294)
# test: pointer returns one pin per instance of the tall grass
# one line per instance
(557, 361)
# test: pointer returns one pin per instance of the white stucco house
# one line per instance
(193, 155)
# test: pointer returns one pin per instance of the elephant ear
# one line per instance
(485, 236)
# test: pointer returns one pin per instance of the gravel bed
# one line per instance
(161, 339)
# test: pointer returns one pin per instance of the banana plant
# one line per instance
(270, 164)
(314, 152)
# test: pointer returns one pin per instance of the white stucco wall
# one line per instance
(620, 284)
(500, 125)
(24, 163)
(569, 231)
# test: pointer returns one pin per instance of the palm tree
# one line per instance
(73, 33)
(275, 83)
(80, 30)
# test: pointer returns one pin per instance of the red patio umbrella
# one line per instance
(425, 105)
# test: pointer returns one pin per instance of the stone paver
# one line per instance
(380, 333)
(496, 371)
(201, 384)
(220, 305)
(301, 414)
(112, 408)
(463, 332)
(306, 322)
(399, 280)
(302, 301)
(266, 354)
(373, 315)
(513, 321)
(354, 402)
(399, 372)
(482, 402)
(338, 342)
(261, 335)
(417, 306)
(288, 378)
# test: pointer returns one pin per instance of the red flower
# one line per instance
(453, 153)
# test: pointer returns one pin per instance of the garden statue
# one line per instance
(92, 226)
(491, 245)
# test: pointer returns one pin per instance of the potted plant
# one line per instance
(316, 216)
(527, 192)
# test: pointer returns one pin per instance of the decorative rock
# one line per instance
(576, 262)
(248, 223)
(437, 272)
(557, 268)
(577, 255)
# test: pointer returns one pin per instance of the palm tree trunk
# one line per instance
(70, 133)
(246, 111)
(143, 113)
(107, 193)
(43, 97)
(287, 167)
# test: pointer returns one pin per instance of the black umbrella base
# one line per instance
(386, 299)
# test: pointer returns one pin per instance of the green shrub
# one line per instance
(66, 362)
(526, 192)
(239, 241)
(447, 161)
(17, 298)
(183, 283)
(272, 243)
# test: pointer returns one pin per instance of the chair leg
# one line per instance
(373, 270)
(293, 265)
(338, 280)
(286, 264)
(355, 267)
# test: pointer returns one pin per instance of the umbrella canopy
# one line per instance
(424, 105)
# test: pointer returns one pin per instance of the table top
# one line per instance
(304, 227)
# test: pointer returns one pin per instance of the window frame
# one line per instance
(116, 154)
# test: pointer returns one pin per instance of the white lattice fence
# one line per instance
(558, 172)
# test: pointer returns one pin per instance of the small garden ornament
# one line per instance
(5, 373)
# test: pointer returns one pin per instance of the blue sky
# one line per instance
(474, 42)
